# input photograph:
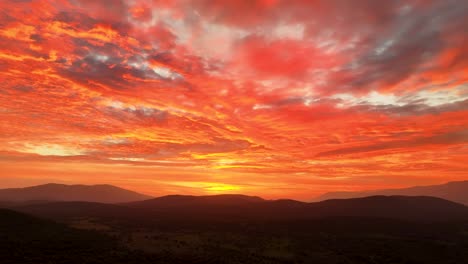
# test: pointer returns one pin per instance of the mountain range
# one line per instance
(235, 208)
(82, 226)
(456, 191)
(434, 203)
(103, 193)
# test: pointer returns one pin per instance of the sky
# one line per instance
(275, 98)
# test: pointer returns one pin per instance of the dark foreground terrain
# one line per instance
(237, 229)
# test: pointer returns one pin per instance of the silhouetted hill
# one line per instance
(240, 206)
(452, 191)
(392, 207)
(25, 239)
(399, 207)
(239, 229)
(61, 192)
(12, 221)
(178, 201)
(228, 208)
(64, 210)
(5, 204)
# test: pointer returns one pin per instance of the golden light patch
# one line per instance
(210, 187)
(52, 150)
(221, 187)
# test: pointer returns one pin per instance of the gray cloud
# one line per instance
(23, 88)
(415, 36)
(137, 114)
(417, 107)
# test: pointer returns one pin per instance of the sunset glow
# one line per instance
(275, 98)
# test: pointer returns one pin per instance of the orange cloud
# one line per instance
(270, 98)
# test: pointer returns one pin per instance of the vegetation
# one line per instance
(26, 239)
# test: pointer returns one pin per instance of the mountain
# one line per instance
(412, 208)
(178, 201)
(232, 208)
(61, 192)
(397, 207)
(167, 207)
(456, 191)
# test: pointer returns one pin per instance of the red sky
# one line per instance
(275, 98)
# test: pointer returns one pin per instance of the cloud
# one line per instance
(410, 45)
(135, 114)
(456, 137)
(316, 95)
(416, 108)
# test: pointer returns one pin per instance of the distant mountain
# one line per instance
(61, 192)
(413, 208)
(452, 191)
(235, 208)
(397, 207)
(251, 207)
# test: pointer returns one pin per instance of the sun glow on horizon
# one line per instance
(222, 188)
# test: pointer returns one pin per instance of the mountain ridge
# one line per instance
(456, 191)
(200, 208)
(193, 200)
(103, 193)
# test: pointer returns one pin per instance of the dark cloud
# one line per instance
(290, 101)
(91, 69)
(23, 88)
(418, 107)
(415, 37)
(36, 37)
(140, 114)
(77, 19)
(189, 64)
(112, 71)
(385, 41)
(104, 10)
(84, 47)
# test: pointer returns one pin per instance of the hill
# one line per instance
(69, 210)
(452, 191)
(232, 208)
(26, 239)
(61, 192)
(419, 208)
(177, 201)
(414, 208)
(239, 229)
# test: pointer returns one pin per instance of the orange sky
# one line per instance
(273, 98)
